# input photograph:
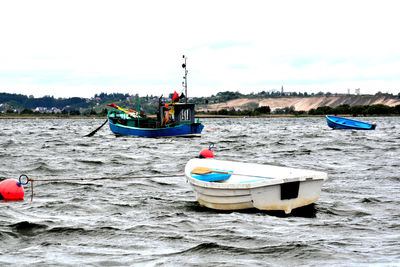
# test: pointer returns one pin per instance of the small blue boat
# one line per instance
(343, 123)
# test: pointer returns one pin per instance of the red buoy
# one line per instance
(207, 152)
(11, 190)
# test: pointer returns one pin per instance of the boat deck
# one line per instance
(249, 175)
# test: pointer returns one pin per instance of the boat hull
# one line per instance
(282, 189)
(348, 124)
(264, 198)
(188, 130)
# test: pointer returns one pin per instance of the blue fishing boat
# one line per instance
(343, 123)
(173, 118)
(181, 125)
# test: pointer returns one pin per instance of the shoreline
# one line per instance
(50, 117)
(200, 116)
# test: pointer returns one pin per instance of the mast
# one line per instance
(184, 83)
(138, 109)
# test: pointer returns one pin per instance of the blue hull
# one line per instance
(187, 130)
(343, 123)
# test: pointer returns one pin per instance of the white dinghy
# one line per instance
(229, 185)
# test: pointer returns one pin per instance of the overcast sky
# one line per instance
(80, 48)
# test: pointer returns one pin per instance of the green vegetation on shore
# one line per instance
(367, 110)
(14, 105)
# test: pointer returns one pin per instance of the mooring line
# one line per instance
(102, 178)
(24, 179)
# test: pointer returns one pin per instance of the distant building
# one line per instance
(286, 93)
(46, 110)
(55, 110)
(40, 109)
(357, 91)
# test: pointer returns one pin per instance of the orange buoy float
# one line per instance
(207, 152)
(11, 190)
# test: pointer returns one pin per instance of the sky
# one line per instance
(82, 48)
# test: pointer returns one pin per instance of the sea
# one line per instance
(144, 213)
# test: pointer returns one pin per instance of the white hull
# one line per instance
(282, 189)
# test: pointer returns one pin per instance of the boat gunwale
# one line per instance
(256, 184)
(142, 131)
(147, 129)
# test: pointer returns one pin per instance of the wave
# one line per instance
(296, 250)
(91, 162)
(159, 221)
(28, 228)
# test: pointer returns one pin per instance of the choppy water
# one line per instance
(157, 221)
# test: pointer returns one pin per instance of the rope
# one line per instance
(102, 178)
(24, 179)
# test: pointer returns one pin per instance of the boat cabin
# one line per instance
(174, 114)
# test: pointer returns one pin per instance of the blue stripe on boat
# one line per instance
(254, 180)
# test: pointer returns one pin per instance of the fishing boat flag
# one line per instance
(122, 109)
(175, 97)
(112, 105)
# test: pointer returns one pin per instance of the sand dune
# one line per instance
(302, 103)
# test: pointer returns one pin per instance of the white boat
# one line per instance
(229, 185)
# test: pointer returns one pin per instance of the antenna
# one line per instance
(184, 83)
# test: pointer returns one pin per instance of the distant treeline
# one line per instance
(97, 105)
(367, 110)
(376, 109)
(17, 103)
(232, 112)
